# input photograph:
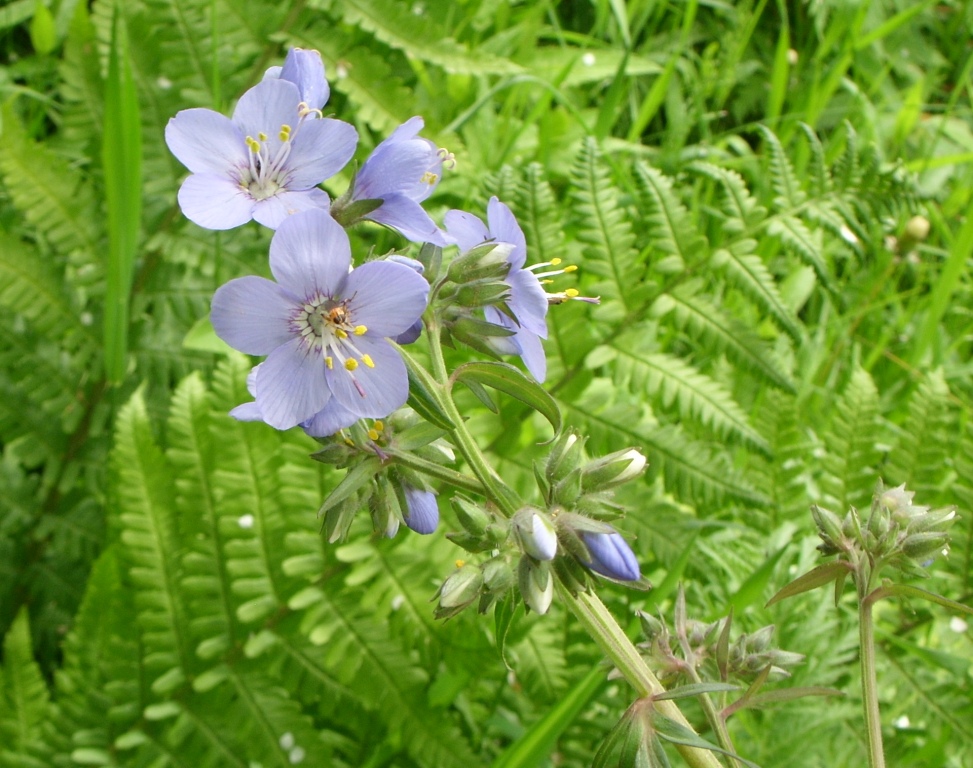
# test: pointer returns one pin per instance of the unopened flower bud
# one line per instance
(829, 527)
(535, 533)
(481, 293)
(759, 641)
(489, 260)
(422, 513)
(536, 584)
(471, 515)
(935, 520)
(917, 228)
(612, 470)
(498, 576)
(923, 545)
(458, 591)
(611, 556)
(565, 456)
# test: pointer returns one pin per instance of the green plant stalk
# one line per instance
(713, 715)
(605, 631)
(866, 653)
(431, 468)
(589, 609)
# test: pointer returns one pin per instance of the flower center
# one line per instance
(326, 323)
(267, 171)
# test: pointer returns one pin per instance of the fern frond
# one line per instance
(24, 700)
(606, 233)
(418, 37)
(538, 215)
(782, 177)
(851, 461)
(709, 324)
(923, 455)
(786, 477)
(146, 517)
(672, 380)
(692, 470)
(747, 272)
(669, 225)
(540, 663)
(742, 209)
(795, 234)
(57, 201)
(822, 183)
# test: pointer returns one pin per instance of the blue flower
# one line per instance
(611, 556)
(266, 161)
(323, 327)
(403, 171)
(528, 300)
(422, 515)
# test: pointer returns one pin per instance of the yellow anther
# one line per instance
(351, 364)
(571, 268)
(262, 136)
(340, 333)
(379, 425)
(252, 144)
(372, 434)
(571, 293)
(284, 135)
(329, 361)
(367, 360)
(460, 563)
(429, 178)
(360, 330)
(555, 261)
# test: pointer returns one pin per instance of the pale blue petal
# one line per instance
(528, 301)
(214, 202)
(310, 254)
(272, 211)
(611, 556)
(330, 419)
(247, 412)
(410, 167)
(408, 130)
(253, 315)
(319, 150)
(410, 335)
(466, 229)
(505, 229)
(502, 345)
(266, 107)
(291, 385)
(305, 69)
(206, 141)
(408, 218)
(385, 297)
(532, 353)
(422, 515)
(371, 392)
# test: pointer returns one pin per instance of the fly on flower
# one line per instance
(323, 327)
(266, 161)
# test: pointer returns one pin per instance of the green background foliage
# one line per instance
(734, 180)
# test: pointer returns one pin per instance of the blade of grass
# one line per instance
(121, 154)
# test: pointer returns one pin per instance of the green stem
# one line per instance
(714, 716)
(603, 628)
(431, 468)
(873, 718)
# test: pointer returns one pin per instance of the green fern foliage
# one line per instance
(24, 701)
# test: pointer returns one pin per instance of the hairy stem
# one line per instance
(603, 628)
(873, 719)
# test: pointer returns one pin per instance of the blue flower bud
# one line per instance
(423, 513)
(611, 556)
(536, 535)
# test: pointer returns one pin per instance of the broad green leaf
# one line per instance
(816, 577)
(511, 381)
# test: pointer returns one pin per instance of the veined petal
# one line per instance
(271, 211)
(305, 69)
(371, 392)
(215, 202)
(409, 219)
(291, 385)
(505, 229)
(422, 515)
(310, 254)
(398, 166)
(319, 150)
(532, 353)
(247, 412)
(466, 229)
(330, 419)
(265, 108)
(528, 301)
(385, 297)
(206, 141)
(253, 315)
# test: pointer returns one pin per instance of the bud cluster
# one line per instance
(897, 532)
(702, 651)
